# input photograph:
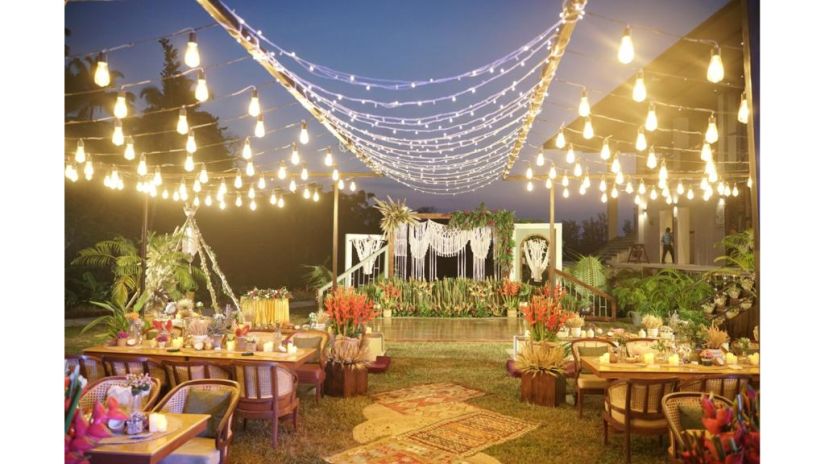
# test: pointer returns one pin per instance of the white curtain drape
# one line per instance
(419, 244)
(364, 247)
(535, 252)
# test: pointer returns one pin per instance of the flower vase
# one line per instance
(575, 332)
(217, 342)
(345, 380)
(386, 313)
(653, 332)
(120, 341)
(199, 342)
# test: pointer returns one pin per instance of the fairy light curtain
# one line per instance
(537, 257)
(364, 248)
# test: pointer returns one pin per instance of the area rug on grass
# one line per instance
(410, 400)
(398, 451)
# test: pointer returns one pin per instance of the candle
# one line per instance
(177, 342)
(269, 346)
(673, 360)
(604, 359)
(649, 358)
(590, 333)
(642, 333)
(368, 329)
(230, 345)
(291, 348)
(157, 422)
(754, 359)
(731, 358)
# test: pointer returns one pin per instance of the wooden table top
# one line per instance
(180, 429)
(291, 359)
(641, 371)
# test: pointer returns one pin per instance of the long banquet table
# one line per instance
(182, 427)
(641, 371)
(290, 360)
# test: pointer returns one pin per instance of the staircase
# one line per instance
(358, 275)
(614, 248)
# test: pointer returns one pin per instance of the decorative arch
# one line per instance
(524, 231)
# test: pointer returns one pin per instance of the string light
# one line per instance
(251, 192)
(651, 122)
(712, 133)
(706, 154)
(619, 178)
(306, 193)
(529, 185)
(642, 187)
(208, 200)
(604, 198)
(238, 182)
(80, 152)
(142, 169)
(735, 191)
(720, 188)
(641, 140)
(629, 187)
(328, 161)
(744, 112)
(189, 163)
(529, 173)
(626, 52)
(750, 182)
(540, 159)
(238, 201)
(565, 193)
(196, 186)
(183, 124)
(552, 173)
(564, 180)
(341, 184)
(102, 78)
(605, 153)
(586, 181)
(222, 205)
(560, 141)
(250, 168)
(120, 110)
(662, 175)
(254, 104)
(71, 172)
(637, 200)
(706, 196)
(281, 202)
(571, 155)
(615, 166)
(584, 105)
(282, 171)
(129, 151)
(577, 170)
(704, 185)
(246, 151)
(716, 71)
(690, 194)
(303, 136)
(293, 186)
(639, 88)
(157, 179)
(203, 177)
(261, 183)
(184, 193)
(222, 189)
(260, 131)
(315, 196)
(196, 201)
(117, 134)
(295, 158)
(587, 132)
(304, 173)
(191, 146)
(273, 199)
(191, 57)
(614, 192)
(680, 188)
(602, 185)
(201, 90)
(165, 194)
(548, 184)
(582, 189)
(653, 194)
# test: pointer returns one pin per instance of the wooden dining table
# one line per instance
(642, 371)
(290, 360)
(120, 450)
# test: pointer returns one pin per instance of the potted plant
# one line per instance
(545, 316)
(117, 323)
(388, 296)
(199, 330)
(347, 371)
(509, 291)
(731, 435)
(121, 338)
(575, 324)
(720, 299)
(734, 291)
(542, 373)
(651, 322)
(714, 341)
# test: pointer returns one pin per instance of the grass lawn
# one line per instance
(326, 428)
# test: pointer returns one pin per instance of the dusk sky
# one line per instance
(395, 40)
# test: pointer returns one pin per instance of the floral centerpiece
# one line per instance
(388, 296)
(164, 329)
(545, 316)
(652, 323)
(575, 324)
(348, 311)
(185, 308)
(509, 291)
(715, 340)
(81, 434)
(732, 435)
(268, 294)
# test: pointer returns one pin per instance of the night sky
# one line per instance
(393, 39)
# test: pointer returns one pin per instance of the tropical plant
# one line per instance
(115, 323)
(664, 293)
(545, 316)
(317, 275)
(535, 358)
(348, 311)
(715, 337)
(650, 321)
(739, 252)
(591, 271)
(394, 214)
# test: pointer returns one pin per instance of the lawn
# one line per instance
(326, 428)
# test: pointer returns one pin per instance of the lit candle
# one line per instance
(673, 360)
(157, 422)
(269, 346)
(649, 358)
(291, 348)
(604, 359)
(754, 359)
(177, 342)
(230, 345)
(731, 359)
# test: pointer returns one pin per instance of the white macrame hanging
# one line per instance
(535, 252)
(400, 251)
(445, 240)
(480, 240)
(419, 244)
(364, 247)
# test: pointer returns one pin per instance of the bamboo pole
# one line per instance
(334, 235)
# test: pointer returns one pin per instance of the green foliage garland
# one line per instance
(502, 223)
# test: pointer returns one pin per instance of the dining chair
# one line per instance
(97, 391)
(639, 346)
(268, 391)
(727, 386)
(588, 383)
(91, 367)
(635, 406)
(313, 371)
(202, 449)
(674, 405)
(181, 371)
(122, 365)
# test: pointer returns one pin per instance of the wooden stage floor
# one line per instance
(421, 329)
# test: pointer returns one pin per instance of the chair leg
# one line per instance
(295, 420)
(244, 424)
(604, 422)
(627, 444)
(275, 432)
(318, 392)
(579, 399)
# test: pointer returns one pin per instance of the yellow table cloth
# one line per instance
(265, 312)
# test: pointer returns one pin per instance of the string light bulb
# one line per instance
(662, 172)
(628, 189)
(157, 179)
(652, 160)
(192, 57)
(222, 205)
(304, 173)
(571, 155)
(540, 159)
(250, 168)
(184, 193)
(281, 202)
(208, 200)
(735, 191)
(238, 201)
(587, 132)
(605, 153)
(203, 176)
(552, 173)
(639, 88)
(653, 194)
(238, 182)
(80, 152)
(706, 154)
(637, 200)
(191, 146)
(120, 110)
(712, 132)
(614, 192)
(261, 183)
(71, 172)
(642, 187)
(295, 158)
(273, 199)
(306, 193)
(619, 178)
(189, 163)
(254, 104)
(282, 171)
(626, 52)
(529, 185)
(260, 130)
(201, 90)
(603, 198)
(246, 151)
(582, 189)
(303, 136)
(328, 161)
(602, 185)
(641, 140)
(102, 77)
(651, 121)
(577, 169)
(251, 192)
(183, 124)
(565, 193)
(529, 173)
(117, 134)
(548, 183)
(293, 186)
(352, 186)
(586, 181)
(690, 194)
(196, 186)
(744, 112)
(584, 105)
(716, 70)
(615, 166)
(129, 151)
(750, 182)
(680, 188)
(315, 196)
(341, 184)
(560, 140)
(564, 180)
(142, 169)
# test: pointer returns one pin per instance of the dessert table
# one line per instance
(641, 371)
(181, 428)
(290, 360)
(265, 312)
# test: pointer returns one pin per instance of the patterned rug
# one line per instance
(411, 400)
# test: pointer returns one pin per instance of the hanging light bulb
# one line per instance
(529, 173)
(315, 196)
(117, 134)
(750, 182)
(641, 140)
(619, 178)
(250, 168)
(328, 161)
(208, 200)
(582, 189)
(335, 174)
(129, 151)
(80, 153)
(183, 124)
(254, 104)
(735, 191)
(637, 200)
(102, 78)
(292, 186)
(201, 90)
(704, 184)
(615, 166)
(680, 188)
(71, 172)
(602, 185)
(707, 195)
(222, 189)
(564, 180)
(651, 122)
(184, 193)
(662, 172)
(744, 111)
(191, 146)
(281, 202)
(157, 179)
(548, 184)
(652, 161)
(192, 58)
(303, 137)
(710, 170)
(614, 192)
(196, 186)
(273, 199)
(587, 132)
(120, 110)
(251, 192)
(626, 51)
(529, 185)
(727, 190)
(586, 181)
(238, 182)
(668, 200)
(189, 163)
(639, 88)
(222, 205)
(584, 105)
(577, 170)
(352, 186)
(260, 131)
(246, 151)
(706, 154)
(642, 187)
(238, 201)
(560, 140)
(720, 188)
(552, 173)
(712, 133)
(142, 170)
(565, 193)
(295, 158)
(628, 189)
(304, 173)
(282, 171)
(665, 191)
(306, 193)
(261, 183)
(571, 155)
(653, 194)
(690, 194)
(716, 70)
(540, 159)
(605, 153)
(603, 198)
(341, 184)
(165, 194)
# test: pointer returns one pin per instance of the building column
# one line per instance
(612, 218)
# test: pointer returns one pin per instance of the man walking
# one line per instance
(667, 245)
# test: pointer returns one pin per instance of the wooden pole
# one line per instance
(551, 272)
(144, 237)
(752, 155)
(334, 235)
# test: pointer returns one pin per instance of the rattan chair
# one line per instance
(91, 367)
(122, 365)
(635, 406)
(96, 392)
(182, 371)
(637, 346)
(313, 373)
(202, 449)
(727, 386)
(587, 383)
(670, 406)
(261, 398)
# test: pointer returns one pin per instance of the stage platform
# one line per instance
(422, 329)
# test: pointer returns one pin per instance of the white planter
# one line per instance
(575, 332)
(199, 342)
(653, 333)
(512, 313)
(387, 313)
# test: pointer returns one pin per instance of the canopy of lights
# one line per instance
(443, 135)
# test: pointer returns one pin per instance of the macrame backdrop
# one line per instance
(400, 251)
(364, 247)
(419, 244)
(535, 252)
(480, 240)
(444, 241)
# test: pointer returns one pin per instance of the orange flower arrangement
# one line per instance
(545, 315)
(348, 311)
(509, 291)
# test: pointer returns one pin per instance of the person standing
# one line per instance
(667, 245)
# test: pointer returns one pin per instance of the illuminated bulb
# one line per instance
(328, 161)
(642, 187)
(295, 158)
(651, 122)
(352, 186)
(582, 189)
(560, 140)
(183, 124)
(203, 177)
(261, 183)
(614, 192)
(254, 104)
(102, 78)
(222, 205)
(619, 178)
(117, 134)
(529, 185)
(306, 193)
(222, 189)
(153, 191)
(251, 192)
(712, 133)
(165, 194)
(626, 52)
(196, 201)
(552, 173)
(565, 193)
(704, 184)
(529, 173)
(615, 166)
(315, 196)
(577, 170)
(192, 58)
(653, 194)
(663, 172)
(540, 159)
(548, 184)
(304, 173)
(584, 105)
(720, 188)
(196, 186)
(238, 182)
(680, 189)
(189, 163)
(744, 111)
(303, 137)
(201, 90)
(273, 199)
(629, 187)
(250, 169)
(690, 194)
(238, 201)
(80, 153)
(735, 191)
(587, 132)
(282, 171)
(716, 70)
(668, 200)
(292, 186)
(605, 153)
(706, 154)
(71, 173)
(246, 151)
(341, 184)
(120, 110)
(571, 155)
(191, 146)
(175, 196)
(750, 182)
(184, 193)
(637, 200)
(129, 152)
(335, 174)
(727, 190)
(564, 180)
(713, 175)
(639, 88)
(641, 140)
(281, 202)
(208, 200)
(142, 169)
(651, 159)
(706, 196)
(260, 131)
(586, 181)
(665, 191)
(602, 185)
(604, 198)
